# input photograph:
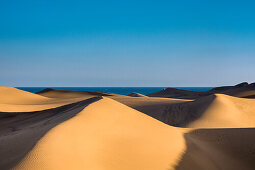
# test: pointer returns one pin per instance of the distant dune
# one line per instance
(11, 95)
(170, 129)
(178, 93)
(244, 90)
(15, 100)
(56, 93)
(136, 95)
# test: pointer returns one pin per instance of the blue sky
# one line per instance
(126, 43)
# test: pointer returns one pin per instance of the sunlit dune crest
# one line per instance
(108, 135)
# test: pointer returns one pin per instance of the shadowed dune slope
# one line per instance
(152, 106)
(108, 135)
(182, 113)
(19, 132)
(214, 149)
(136, 95)
(178, 93)
(244, 90)
(56, 93)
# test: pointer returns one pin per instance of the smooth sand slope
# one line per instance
(108, 135)
(213, 111)
(11, 95)
(227, 112)
(15, 100)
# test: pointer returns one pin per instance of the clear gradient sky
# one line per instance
(126, 43)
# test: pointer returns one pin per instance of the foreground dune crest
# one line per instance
(108, 135)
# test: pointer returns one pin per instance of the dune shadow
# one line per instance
(20, 131)
(74, 92)
(215, 149)
(181, 114)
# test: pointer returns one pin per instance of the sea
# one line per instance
(116, 90)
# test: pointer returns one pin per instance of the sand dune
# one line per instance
(244, 90)
(15, 100)
(20, 131)
(11, 95)
(136, 95)
(178, 93)
(114, 136)
(227, 111)
(152, 106)
(212, 111)
(56, 93)
(58, 129)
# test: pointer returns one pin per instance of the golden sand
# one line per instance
(15, 100)
(108, 135)
(227, 112)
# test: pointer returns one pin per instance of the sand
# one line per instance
(58, 129)
(244, 90)
(114, 136)
(15, 100)
(152, 106)
(136, 95)
(20, 131)
(56, 93)
(214, 149)
(227, 112)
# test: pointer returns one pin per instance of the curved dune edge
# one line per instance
(107, 135)
(37, 107)
(15, 100)
(11, 95)
(227, 112)
(20, 131)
